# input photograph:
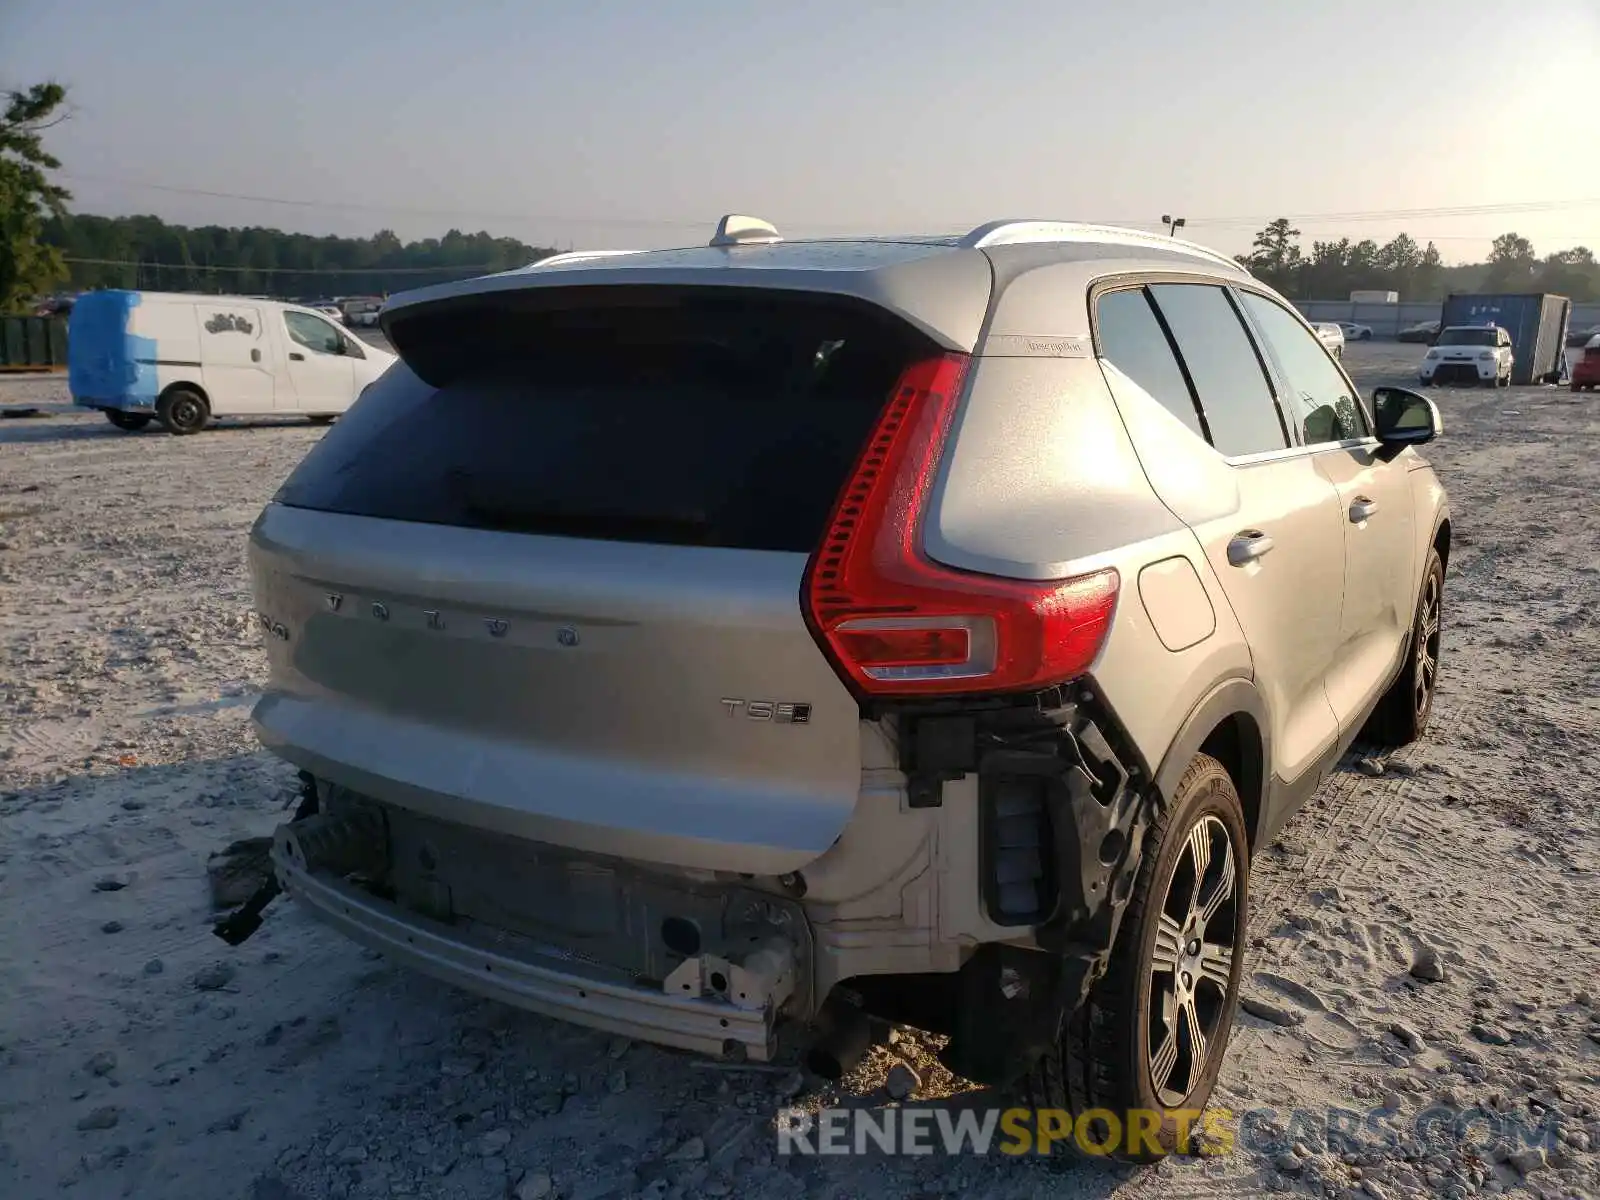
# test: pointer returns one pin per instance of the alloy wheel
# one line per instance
(1191, 966)
(1427, 671)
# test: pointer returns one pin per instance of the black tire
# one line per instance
(128, 421)
(1364, 336)
(183, 410)
(321, 418)
(1103, 1058)
(1402, 714)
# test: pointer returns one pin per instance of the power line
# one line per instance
(202, 268)
(390, 209)
(1390, 214)
(1397, 214)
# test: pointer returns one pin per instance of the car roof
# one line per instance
(941, 283)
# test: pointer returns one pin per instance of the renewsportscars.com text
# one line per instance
(1216, 1131)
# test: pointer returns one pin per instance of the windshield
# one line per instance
(1468, 337)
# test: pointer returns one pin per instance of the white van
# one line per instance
(137, 356)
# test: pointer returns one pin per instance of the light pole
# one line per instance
(1173, 224)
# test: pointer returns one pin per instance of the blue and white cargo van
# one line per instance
(185, 359)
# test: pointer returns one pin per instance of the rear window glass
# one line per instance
(713, 420)
(1132, 341)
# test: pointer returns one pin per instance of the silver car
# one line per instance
(684, 643)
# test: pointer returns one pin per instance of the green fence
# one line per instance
(33, 343)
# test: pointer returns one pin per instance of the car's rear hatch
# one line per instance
(552, 589)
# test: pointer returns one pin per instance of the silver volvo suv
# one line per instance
(687, 643)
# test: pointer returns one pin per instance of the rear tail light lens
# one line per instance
(881, 646)
(893, 622)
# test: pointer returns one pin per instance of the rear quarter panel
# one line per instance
(103, 354)
(1042, 482)
(173, 327)
(125, 348)
(1150, 679)
(1039, 479)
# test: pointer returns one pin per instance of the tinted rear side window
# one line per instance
(1131, 340)
(713, 419)
(1222, 363)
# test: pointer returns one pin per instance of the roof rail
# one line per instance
(578, 256)
(1012, 233)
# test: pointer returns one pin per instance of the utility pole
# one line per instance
(1173, 224)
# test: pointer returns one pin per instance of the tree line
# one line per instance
(45, 247)
(1334, 269)
(146, 252)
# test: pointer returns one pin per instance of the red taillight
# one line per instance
(893, 622)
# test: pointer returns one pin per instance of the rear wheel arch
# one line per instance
(1235, 742)
(1230, 724)
(186, 385)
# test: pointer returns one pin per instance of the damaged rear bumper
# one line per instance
(544, 980)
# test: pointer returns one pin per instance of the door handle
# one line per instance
(1247, 546)
(296, 356)
(1361, 509)
(255, 356)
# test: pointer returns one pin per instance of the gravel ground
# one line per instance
(142, 1057)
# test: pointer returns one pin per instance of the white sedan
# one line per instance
(1355, 333)
(1331, 336)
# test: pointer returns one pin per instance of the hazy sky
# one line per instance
(628, 123)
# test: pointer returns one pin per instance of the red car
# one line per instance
(1586, 371)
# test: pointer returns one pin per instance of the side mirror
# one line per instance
(1404, 418)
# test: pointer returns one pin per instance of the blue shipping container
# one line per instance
(1537, 324)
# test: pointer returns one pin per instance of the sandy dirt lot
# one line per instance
(140, 1056)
